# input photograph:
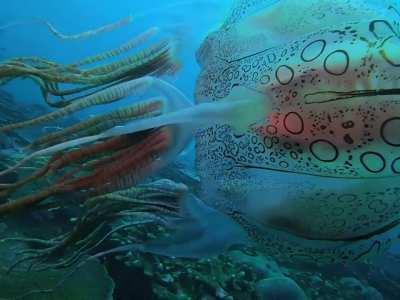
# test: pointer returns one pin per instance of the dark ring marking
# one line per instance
(286, 82)
(268, 142)
(271, 129)
(347, 198)
(377, 155)
(375, 209)
(326, 142)
(394, 169)
(372, 27)
(386, 56)
(338, 211)
(265, 79)
(298, 118)
(383, 133)
(283, 164)
(346, 66)
(309, 45)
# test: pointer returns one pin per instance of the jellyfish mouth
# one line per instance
(332, 96)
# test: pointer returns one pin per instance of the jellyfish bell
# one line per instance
(319, 179)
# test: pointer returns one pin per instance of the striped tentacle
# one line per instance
(98, 124)
(133, 160)
(146, 57)
(122, 119)
(133, 43)
(25, 202)
(110, 95)
(138, 166)
(51, 88)
(59, 161)
(91, 32)
(7, 189)
(170, 207)
(160, 196)
(149, 59)
(63, 187)
(133, 164)
(37, 62)
(33, 61)
(98, 164)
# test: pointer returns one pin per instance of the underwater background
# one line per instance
(58, 250)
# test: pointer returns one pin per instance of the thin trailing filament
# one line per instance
(79, 36)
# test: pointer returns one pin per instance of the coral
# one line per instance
(260, 264)
(371, 293)
(352, 284)
(102, 217)
(279, 288)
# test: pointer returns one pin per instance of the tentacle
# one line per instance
(158, 59)
(23, 203)
(176, 100)
(119, 210)
(60, 35)
(133, 43)
(126, 169)
(107, 96)
(152, 58)
(144, 59)
(100, 123)
(59, 160)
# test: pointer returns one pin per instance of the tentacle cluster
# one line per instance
(99, 177)
(91, 170)
(157, 59)
(103, 216)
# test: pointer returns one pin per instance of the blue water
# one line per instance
(187, 22)
(190, 21)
